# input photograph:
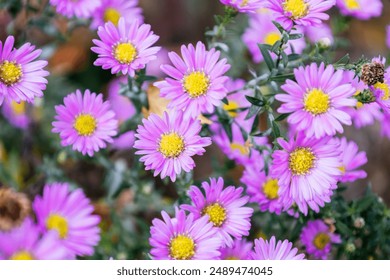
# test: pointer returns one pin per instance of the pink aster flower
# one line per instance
(321, 34)
(224, 208)
(300, 12)
(388, 36)
(26, 243)
(240, 250)
(183, 238)
(113, 10)
(125, 48)
(318, 240)
(317, 100)
(361, 9)
(270, 250)
(307, 170)
(167, 144)
(86, 122)
(21, 78)
(244, 6)
(78, 9)
(196, 82)
(69, 213)
(16, 113)
(261, 30)
(381, 91)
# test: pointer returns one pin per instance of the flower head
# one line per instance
(14, 208)
(183, 238)
(167, 144)
(381, 91)
(126, 47)
(240, 250)
(86, 122)
(361, 9)
(223, 207)
(21, 78)
(196, 82)
(69, 213)
(79, 8)
(244, 6)
(270, 250)
(317, 239)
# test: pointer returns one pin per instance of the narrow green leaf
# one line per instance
(267, 57)
(281, 117)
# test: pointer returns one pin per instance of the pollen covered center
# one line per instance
(301, 161)
(125, 53)
(271, 188)
(352, 4)
(22, 256)
(10, 72)
(196, 84)
(58, 223)
(18, 108)
(385, 89)
(112, 15)
(316, 102)
(271, 38)
(231, 108)
(321, 240)
(217, 214)
(297, 8)
(171, 145)
(182, 247)
(85, 124)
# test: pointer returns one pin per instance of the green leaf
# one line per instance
(282, 117)
(282, 78)
(342, 228)
(295, 36)
(253, 111)
(254, 101)
(278, 26)
(228, 129)
(266, 55)
(225, 100)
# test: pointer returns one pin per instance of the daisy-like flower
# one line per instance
(79, 8)
(244, 6)
(317, 100)
(113, 10)
(197, 82)
(307, 170)
(167, 144)
(224, 208)
(86, 122)
(126, 47)
(21, 78)
(15, 207)
(318, 240)
(261, 30)
(381, 92)
(361, 9)
(69, 213)
(16, 113)
(300, 12)
(25, 243)
(183, 238)
(239, 251)
(270, 250)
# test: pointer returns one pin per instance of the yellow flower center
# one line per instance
(217, 214)
(301, 160)
(271, 188)
(342, 169)
(58, 223)
(271, 38)
(112, 15)
(316, 102)
(10, 72)
(321, 240)
(182, 247)
(385, 88)
(196, 84)
(18, 108)
(244, 3)
(85, 124)
(22, 256)
(125, 53)
(352, 4)
(359, 105)
(231, 108)
(297, 8)
(261, 234)
(244, 150)
(171, 145)
(231, 258)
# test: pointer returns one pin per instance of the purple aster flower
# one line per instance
(240, 250)
(25, 243)
(16, 113)
(381, 91)
(21, 78)
(196, 82)
(270, 250)
(113, 10)
(78, 9)
(321, 34)
(69, 213)
(183, 238)
(307, 170)
(224, 208)
(261, 30)
(167, 144)
(86, 122)
(388, 36)
(361, 9)
(244, 6)
(300, 12)
(317, 100)
(125, 48)
(318, 239)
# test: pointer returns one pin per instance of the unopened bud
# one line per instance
(359, 223)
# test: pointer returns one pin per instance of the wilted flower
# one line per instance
(14, 208)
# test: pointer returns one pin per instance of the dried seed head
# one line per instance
(373, 73)
(14, 208)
